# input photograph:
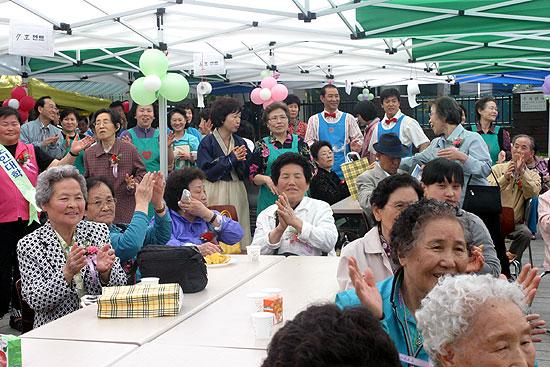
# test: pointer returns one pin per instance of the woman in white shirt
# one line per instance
(392, 195)
(295, 224)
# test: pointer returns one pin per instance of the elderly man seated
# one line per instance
(518, 184)
(295, 224)
(389, 152)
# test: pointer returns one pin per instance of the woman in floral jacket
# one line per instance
(268, 149)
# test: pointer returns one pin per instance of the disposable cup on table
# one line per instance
(262, 322)
(255, 301)
(253, 253)
(149, 280)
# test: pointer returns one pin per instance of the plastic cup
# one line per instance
(262, 322)
(150, 280)
(253, 253)
(256, 301)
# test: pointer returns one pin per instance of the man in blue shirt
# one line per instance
(42, 132)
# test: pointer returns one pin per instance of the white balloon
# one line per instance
(204, 88)
(152, 83)
(265, 94)
(13, 103)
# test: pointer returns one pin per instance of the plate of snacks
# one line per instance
(217, 259)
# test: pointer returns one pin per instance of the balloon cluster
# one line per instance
(268, 92)
(154, 65)
(546, 87)
(20, 101)
(365, 95)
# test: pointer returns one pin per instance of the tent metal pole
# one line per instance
(163, 109)
(35, 12)
(110, 17)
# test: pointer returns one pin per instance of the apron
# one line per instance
(492, 142)
(335, 134)
(148, 149)
(266, 197)
(396, 129)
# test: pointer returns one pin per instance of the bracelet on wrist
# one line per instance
(72, 154)
(161, 210)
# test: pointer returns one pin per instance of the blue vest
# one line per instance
(396, 129)
(335, 134)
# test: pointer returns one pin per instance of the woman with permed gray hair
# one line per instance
(428, 243)
(461, 323)
(67, 257)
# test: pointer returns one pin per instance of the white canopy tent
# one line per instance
(251, 35)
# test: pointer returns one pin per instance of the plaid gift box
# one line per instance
(351, 170)
(138, 301)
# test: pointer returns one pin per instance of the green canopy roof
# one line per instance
(465, 36)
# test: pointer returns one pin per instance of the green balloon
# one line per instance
(265, 73)
(153, 62)
(360, 97)
(366, 91)
(140, 95)
(174, 87)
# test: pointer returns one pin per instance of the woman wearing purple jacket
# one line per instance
(193, 224)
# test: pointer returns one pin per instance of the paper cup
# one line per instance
(256, 301)
(150, 280)
(262, 322)
(253, 253)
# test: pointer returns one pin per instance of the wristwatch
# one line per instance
(161, 210)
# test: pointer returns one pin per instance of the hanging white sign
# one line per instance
(30, 39)
(208, 64)
(532, 102)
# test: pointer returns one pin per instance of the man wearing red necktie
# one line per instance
(340, 129)
(405, 127)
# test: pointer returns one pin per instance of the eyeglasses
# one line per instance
(278, 118)
(101, 203)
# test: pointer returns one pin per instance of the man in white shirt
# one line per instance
(405, 127)
(340, 129)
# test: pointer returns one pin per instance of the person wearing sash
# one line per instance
(268, 149)
(20, 164)
(497, 139)
(146, 139)
(116, 161)
(405, 127)
(69, 123)
(223, 156)
(340, 129)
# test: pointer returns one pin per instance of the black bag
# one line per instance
(482, 200)
(174, 264)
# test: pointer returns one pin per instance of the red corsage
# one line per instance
(457, 142)
(207, 237)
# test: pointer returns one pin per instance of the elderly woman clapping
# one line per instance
(473, 320)
(67, 257)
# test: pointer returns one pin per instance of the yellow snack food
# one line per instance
(216, 258)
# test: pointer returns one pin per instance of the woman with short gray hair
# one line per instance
(67, 257)
(461, 323)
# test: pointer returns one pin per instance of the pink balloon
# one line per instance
(267, 103)
(255, 96)
(279, 92)
(18, 93)
(24, 115)
(26, 103)
(5, 103)
(268, 82)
